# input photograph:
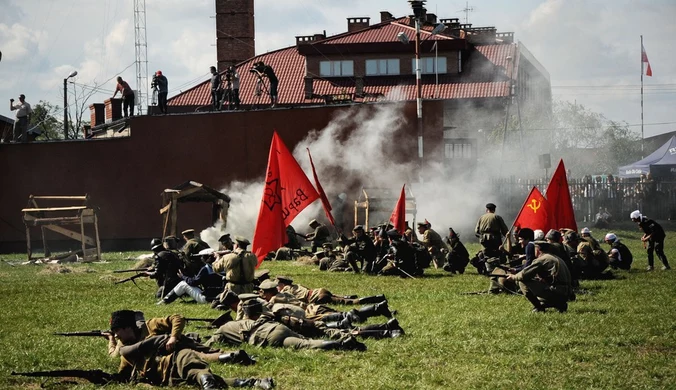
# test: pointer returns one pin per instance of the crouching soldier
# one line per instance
(170, 359)
(619, 256)
(457, 257)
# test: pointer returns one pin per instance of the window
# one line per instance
(458, 151)
(427, 65)
(382, 67)
(336, 68)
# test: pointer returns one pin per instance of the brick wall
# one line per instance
(235, 33)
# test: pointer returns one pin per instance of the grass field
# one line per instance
(621, 335)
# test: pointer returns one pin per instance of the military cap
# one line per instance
(268, 284)
(357, 228)
(572, 236)
(491, 206)
(157, 247)
(241, 241)
(452, 232)
(247, 296)
(313, 222)
(206, 252)
(393, 233)
(225, 238)
(553, 235)
(262, 274)
(421, 224)
(327, 245)
(526, 233)
(252, 308)
(188, 231)
(122, 319)
(544, 246)
(229, 298)
(285, 279)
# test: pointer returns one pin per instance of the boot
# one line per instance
(169, 298)
(259, 383)
(208, 382)
(354, 265)
(351, 344)
(239, 357)
(393, 325)
(379, 309)
(345, 323)
(372, 299)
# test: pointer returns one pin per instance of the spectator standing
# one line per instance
(127, 96)
(23, 112)
(216, 89)
(162, 85)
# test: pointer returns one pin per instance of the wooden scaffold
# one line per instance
(56, 218)
(191, 191)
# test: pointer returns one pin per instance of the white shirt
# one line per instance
(22, 109)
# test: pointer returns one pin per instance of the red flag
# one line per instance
(398, 217)
(322, 194)
(644, 60)
(287, 192)
(534, 213)
(561, 210)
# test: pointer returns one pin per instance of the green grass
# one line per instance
(620, 336)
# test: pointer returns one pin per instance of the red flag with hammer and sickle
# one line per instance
(287, 192)
(535, 212)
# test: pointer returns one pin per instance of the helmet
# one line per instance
(155, 241)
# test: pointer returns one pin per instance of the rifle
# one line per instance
(91, 333)
(132, 270)
(214, 322)
(97, 377)
(130, 279)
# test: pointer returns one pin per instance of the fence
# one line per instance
(654, 198)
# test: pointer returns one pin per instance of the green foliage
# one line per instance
(619, 335)
(44, 118)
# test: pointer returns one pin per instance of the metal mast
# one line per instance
(141, 51)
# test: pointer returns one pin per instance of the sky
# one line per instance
(591, 49)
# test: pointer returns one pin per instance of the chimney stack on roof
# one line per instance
(356, 24)
(385, 16)
(235, 36)
(431, 18)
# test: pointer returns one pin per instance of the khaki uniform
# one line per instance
(318, 295)
(490, 227)
(547, 279)
(239, 267)
(289, 302)
(595, 259)
(320, 236)
(434, 244)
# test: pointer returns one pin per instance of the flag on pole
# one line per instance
(561, 210)
(398, 217)
(644, 60)
(535, 212)
(287, 192)
(322, 194)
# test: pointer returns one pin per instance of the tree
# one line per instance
(44, 120)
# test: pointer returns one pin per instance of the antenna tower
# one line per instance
(141, 51)
(467, 10)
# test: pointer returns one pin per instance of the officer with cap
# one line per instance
(546, 281)
(225, 243)
(193, 245)
(490, 228)
(360, 248)
(320, 235)
(653, 239)
(239, 267)
(619, 255)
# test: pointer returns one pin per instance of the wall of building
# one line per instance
(126, 176)
(405, 61)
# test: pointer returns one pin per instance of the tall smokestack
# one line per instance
(235, 36)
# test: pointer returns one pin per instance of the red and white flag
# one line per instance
(287, 192)
(644, 60)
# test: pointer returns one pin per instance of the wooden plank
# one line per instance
(165, 208)
(54, 221)
(70, 233)
(44, 241)
(28, 242)
(174, 217)
(70, 208)
(76, 197)
(98, 241)
(82, 236)
(189, 191)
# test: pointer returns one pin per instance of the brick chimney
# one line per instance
(235, 38)
(97, 112)
(356, 24)
(385, 16)
(113, 109)
(431, 18)
(309, 87)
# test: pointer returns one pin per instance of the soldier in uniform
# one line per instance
(457, 257)
(225, 244)
(322, 295)
(261, 329)
(546, 281)
(193, 246)
(156, 352)
(358, 248)
(490, 228)
(400, 259)
(654, 236)
(320, 235)
(594, 258)
(433, 242)
(239, 267)
(619, 256)
(331, 261)
(165, 270)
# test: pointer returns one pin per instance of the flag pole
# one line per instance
(642, 136)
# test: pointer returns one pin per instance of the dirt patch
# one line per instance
(53, 269)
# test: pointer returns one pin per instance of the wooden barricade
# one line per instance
(56, 218)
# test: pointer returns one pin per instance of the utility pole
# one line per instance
(418, 12)
(141, 52)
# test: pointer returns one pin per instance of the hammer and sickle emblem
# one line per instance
(535, 205)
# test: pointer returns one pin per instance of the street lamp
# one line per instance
(65, 104)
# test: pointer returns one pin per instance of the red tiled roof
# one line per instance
(290, 67)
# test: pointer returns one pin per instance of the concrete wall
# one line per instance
(125, 176)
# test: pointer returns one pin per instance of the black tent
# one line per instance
(660, 164)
